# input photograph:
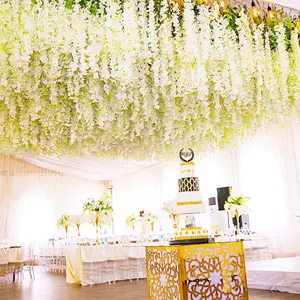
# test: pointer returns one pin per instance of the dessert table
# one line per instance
(82, 260)
(204, 271)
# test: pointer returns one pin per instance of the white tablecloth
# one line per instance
(281, 274)
(78, 258)
(14, 255)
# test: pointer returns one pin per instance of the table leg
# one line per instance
(14, 276)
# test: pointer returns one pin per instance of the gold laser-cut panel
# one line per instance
(214, 271)
(163, 273)
(197, 272)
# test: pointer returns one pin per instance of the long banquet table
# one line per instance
(79, 272)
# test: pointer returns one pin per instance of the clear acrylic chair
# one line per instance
(100, 260)
(94, 265)
(29, 260)
(118, 263)
(60, 259)
(137, 260)
(46, 258)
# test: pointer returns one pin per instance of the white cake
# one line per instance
(191, 234)
(189, 199)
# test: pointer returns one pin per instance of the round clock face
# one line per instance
(186, 155)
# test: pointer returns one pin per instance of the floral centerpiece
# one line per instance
(149, 218)
(237, 206)
(131, 221)
(77, 220)
(170, 208)
(64, 221)
(101, 211)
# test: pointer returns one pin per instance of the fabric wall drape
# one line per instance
(32, 199)
(269, 172)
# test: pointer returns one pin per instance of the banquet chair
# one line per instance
(118, 263)
(46, 258)
(137, 259)
(94, 264)
(62, 259)
(57, 259)
(29, 261)
(4, 264)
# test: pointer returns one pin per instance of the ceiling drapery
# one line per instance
(92, 168)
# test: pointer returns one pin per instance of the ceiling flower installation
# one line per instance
(137, 80)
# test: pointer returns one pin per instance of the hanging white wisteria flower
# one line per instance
(136, 80)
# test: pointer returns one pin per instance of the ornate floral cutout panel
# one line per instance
(214, 271)
(163, 273)
(196, 272)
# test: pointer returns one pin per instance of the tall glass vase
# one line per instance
(78, 229)
(152, 226)
(175, 219)
(237, 216)
(67, 229)
(97, 228)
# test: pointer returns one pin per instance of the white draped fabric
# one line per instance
(93, 168)
(281, 275)
(32, 199)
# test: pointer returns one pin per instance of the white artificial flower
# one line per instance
(76, 219)
(136, 83)
(170, 207)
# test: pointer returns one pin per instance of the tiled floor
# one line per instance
(54, 287)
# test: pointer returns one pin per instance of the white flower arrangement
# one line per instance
(102, 205)
(129, 84)
(132, 221)
(170, 207)
(99, 211)
(149, 217)
(63, 221)
(239, 204)
(76, 219)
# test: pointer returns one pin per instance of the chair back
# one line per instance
(29, 253)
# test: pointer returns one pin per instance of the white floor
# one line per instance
(281, 274)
